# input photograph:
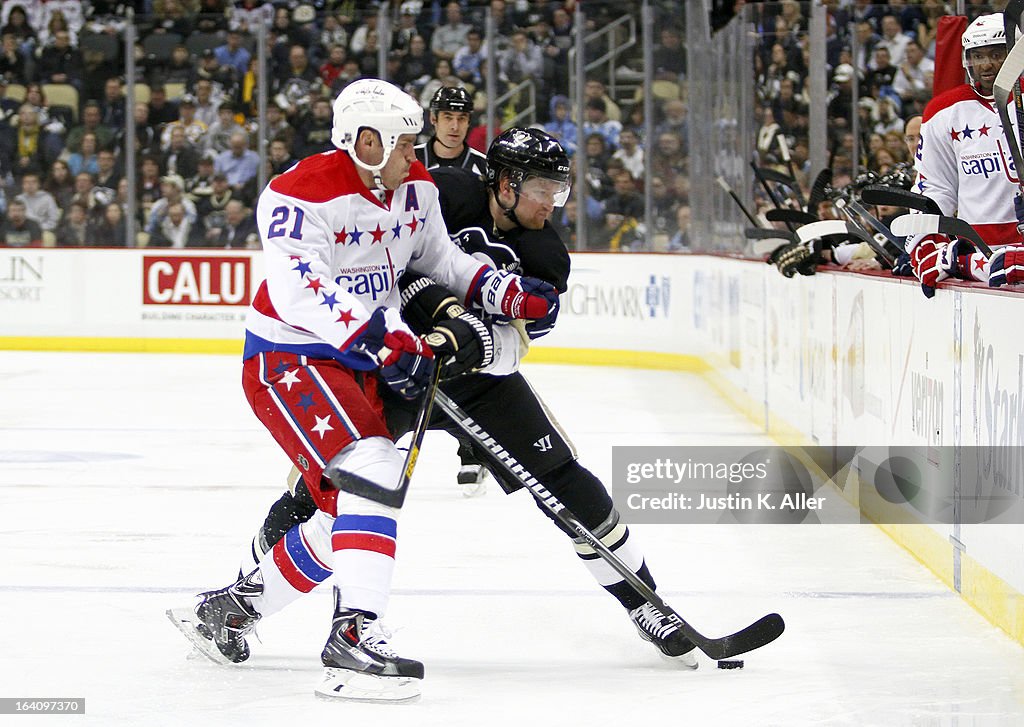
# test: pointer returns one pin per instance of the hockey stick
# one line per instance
(784, 150)
(1011, 21)
(825, 228)
(912, 224)
(1007, 82)
(761, 632)
(772, 195)
(739, 203)
(347, 482)
(797, 217)
(896, 197)
(768, 233)
(851, 207)
(819, 190)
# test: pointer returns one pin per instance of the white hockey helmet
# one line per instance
(984, 30)
(370, 103)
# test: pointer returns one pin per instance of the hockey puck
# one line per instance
(731, 664)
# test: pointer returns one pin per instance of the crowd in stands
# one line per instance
(887, 50)
(63, 108)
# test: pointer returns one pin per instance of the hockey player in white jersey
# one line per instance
(964, 164)
(323, 336)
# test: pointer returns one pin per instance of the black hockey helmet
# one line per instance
(451, 98)
(526, 152)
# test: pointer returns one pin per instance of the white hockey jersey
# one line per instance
(334, 252)
(964, 164)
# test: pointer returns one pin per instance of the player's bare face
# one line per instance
(451, 128)
(985, 64)
(401, 159)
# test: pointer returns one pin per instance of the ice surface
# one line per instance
(130, 482)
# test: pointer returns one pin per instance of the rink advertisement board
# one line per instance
(129, 295)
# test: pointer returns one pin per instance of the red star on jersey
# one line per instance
(979, 264)
(378, 234)
(984, 130)
(345, 317)
(413, 225)
(339, 237)
(314, 284)
(954, 135)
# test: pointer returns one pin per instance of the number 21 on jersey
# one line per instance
(280, 220)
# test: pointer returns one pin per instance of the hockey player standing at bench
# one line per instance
(505, 220)
(324, 340)
(963, 165)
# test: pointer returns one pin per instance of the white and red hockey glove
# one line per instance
(405, 362)
(935, 258)
(1006, 267)
(507, 294)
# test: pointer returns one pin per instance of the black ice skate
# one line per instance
(221, 621)
(661, 631)
(472, 473)
(359, 663)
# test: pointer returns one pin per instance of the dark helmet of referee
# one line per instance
(451, 98)
(520, 154)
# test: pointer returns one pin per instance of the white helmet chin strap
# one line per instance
(374, 169)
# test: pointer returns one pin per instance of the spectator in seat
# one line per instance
(280, 157)
(18, 230)
(233, 53)
(161, 110)
(595, 88)
(597, 122)
(60, 62)
(239, 230)
(109, 230)
(146, 138)
(416, 65)
(334, 65)
(113, 110)
(181, 157)
(172, 190)
(85, 160)
(211, 206)
(200, 186)
(894, 38)
(630, 153)
(107, 174)
(206, 103)
(193, 127)
(669, 55)
(447, 39)
(561, 126)
(176, 229)
(147, 186)
(92, 116)
(680, 240)
(73, 228)
(238, 162)
(13, 63)
(314, 133)
(39, 205)
(19, 26)
(468, 59)
(59, 183)
(220, 131)
(31, 147)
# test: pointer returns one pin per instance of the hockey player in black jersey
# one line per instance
(451, 109)
(506, 220)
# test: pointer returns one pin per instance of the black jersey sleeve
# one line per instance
(543, 255)
(463, 197)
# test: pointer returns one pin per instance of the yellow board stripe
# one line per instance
(986, 592)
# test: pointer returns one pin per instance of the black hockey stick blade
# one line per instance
(761, 632)
(896, 197)
(778, 177)
(905, 225)
(347, 482)
(782, 214)
(1011, 21)
(820, 188)
(767, 233)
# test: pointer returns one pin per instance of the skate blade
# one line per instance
(185, 620)
(474, 483)
(686, 661)
(353, 686)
